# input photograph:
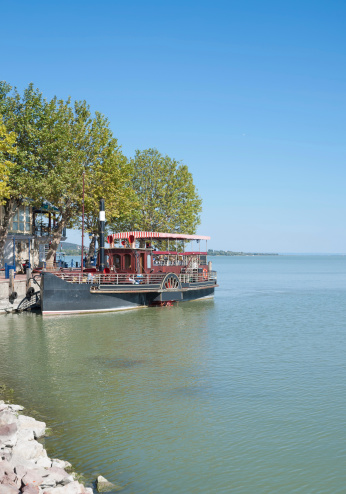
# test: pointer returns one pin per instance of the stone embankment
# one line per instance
(24, 464)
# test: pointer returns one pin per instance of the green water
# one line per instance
(245, 393)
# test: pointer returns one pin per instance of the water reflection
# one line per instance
(109, 374)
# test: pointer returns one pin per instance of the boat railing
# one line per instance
(192, 276)
(174, 262)
(112, 278)
(195, 277)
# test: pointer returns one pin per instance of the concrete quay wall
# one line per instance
(19, 286)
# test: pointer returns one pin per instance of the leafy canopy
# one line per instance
(168, 199)
(23, 116)
(107, 177)
(57, 141)
(7, 149)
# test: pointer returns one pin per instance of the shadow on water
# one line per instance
(117, 363)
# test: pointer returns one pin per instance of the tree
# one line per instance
(107, 177)
(168, 199)
(57, 141)
(80, 143)
(7, 148)
(22, 115)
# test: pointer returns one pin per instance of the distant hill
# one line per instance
(69, 245)
(70, 249)
(212, 252)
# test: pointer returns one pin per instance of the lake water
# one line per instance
(245, 393)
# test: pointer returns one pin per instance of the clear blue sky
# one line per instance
(251, 95)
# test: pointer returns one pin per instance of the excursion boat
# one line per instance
(131, 275)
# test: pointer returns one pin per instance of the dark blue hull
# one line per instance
(60, 297)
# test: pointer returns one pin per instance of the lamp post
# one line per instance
(102, 235)
(82, 227)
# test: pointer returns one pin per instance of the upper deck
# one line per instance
(140, 253)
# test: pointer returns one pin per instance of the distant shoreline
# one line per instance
(250, 254)
(231, 253)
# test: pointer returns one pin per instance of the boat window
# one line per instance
(116, 260)
(127, 261)
(148, 261)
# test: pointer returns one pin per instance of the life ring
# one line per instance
(205, 273)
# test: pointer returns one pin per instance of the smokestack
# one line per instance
(102, 235)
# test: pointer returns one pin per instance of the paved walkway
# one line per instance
(18, 277)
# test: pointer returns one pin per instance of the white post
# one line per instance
(28, 278)
(11, 280)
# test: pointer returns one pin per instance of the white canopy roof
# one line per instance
(154, 235)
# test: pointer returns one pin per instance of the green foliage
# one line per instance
(57, 142)
(23, 116)
(107, 176)
(77, 143)
(7, 149)
(168, 200)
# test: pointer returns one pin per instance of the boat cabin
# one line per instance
(142, 253)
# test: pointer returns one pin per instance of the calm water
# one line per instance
(243, 394)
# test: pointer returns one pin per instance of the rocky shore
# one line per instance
(24, 464)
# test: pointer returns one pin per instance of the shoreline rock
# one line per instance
(25, 467)
(103, 485)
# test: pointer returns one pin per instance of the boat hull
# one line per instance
(60, 297)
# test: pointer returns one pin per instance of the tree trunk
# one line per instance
(53, 247)
(91, 252)
(10, 207)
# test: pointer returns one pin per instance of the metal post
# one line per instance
(102, 235)
(29, 253)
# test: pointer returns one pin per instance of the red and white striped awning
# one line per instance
(154, 236)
